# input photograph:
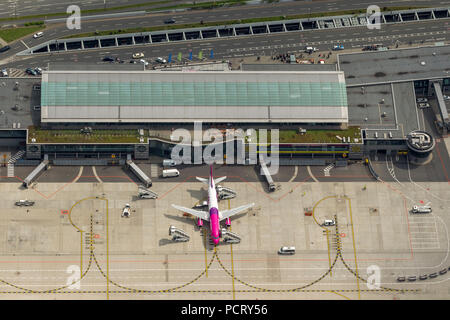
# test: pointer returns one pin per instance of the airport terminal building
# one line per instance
(143, 97)
(148, 105)
(324, 115)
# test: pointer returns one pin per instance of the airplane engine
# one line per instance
(199, 223)
(228, 222)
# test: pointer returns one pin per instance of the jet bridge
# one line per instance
(267, 175)
(139, 173)
(441, 105)
(178, 235)
(35, 173)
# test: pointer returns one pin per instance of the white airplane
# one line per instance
(214, 216)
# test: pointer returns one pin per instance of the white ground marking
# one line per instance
(95, 174)
(311, 175)
(295, 174)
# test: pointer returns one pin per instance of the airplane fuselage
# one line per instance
(213, 208)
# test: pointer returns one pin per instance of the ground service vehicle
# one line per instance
(421, 209)
(25, 203)
(170, 173)
(169, 163)
(287, 250)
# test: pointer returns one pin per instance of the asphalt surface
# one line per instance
(408, 33)
(390, 169)
(30, 7)
(220, 14)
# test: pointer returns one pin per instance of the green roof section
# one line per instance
(93, 93)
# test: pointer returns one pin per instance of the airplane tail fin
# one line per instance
(218, 180)
(206, 181)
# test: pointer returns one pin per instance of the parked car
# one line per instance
(5, 48)
(145, 63)
(338, 47)
(169, 21)
(310, 49)
(38, 35)
(31, 71)
(138, 55)
(37, 108)
(108, 59)
(38, 70)
(25, 203)
(161, 60)
(446, 97)
(4, 73)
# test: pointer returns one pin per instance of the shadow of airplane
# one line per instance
(182, 219)
(197, 194)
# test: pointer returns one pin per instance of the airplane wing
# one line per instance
(199, 214)
(229, 213)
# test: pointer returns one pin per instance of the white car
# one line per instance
(138, 55)
(145, 63)
(424, 105)
(161, 60)
(4, 73)
(310, 49)
(446, 97)
(420, 100)
(38, 35)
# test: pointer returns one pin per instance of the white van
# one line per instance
(169, 163)
(287, 250)
(170, 173)
(329, 223)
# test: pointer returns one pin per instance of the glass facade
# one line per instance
(193, 94)
(81, 148)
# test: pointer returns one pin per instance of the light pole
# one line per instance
(104, 4)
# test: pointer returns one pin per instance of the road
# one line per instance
(258, 45)
(222, 14)
(8, 8)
